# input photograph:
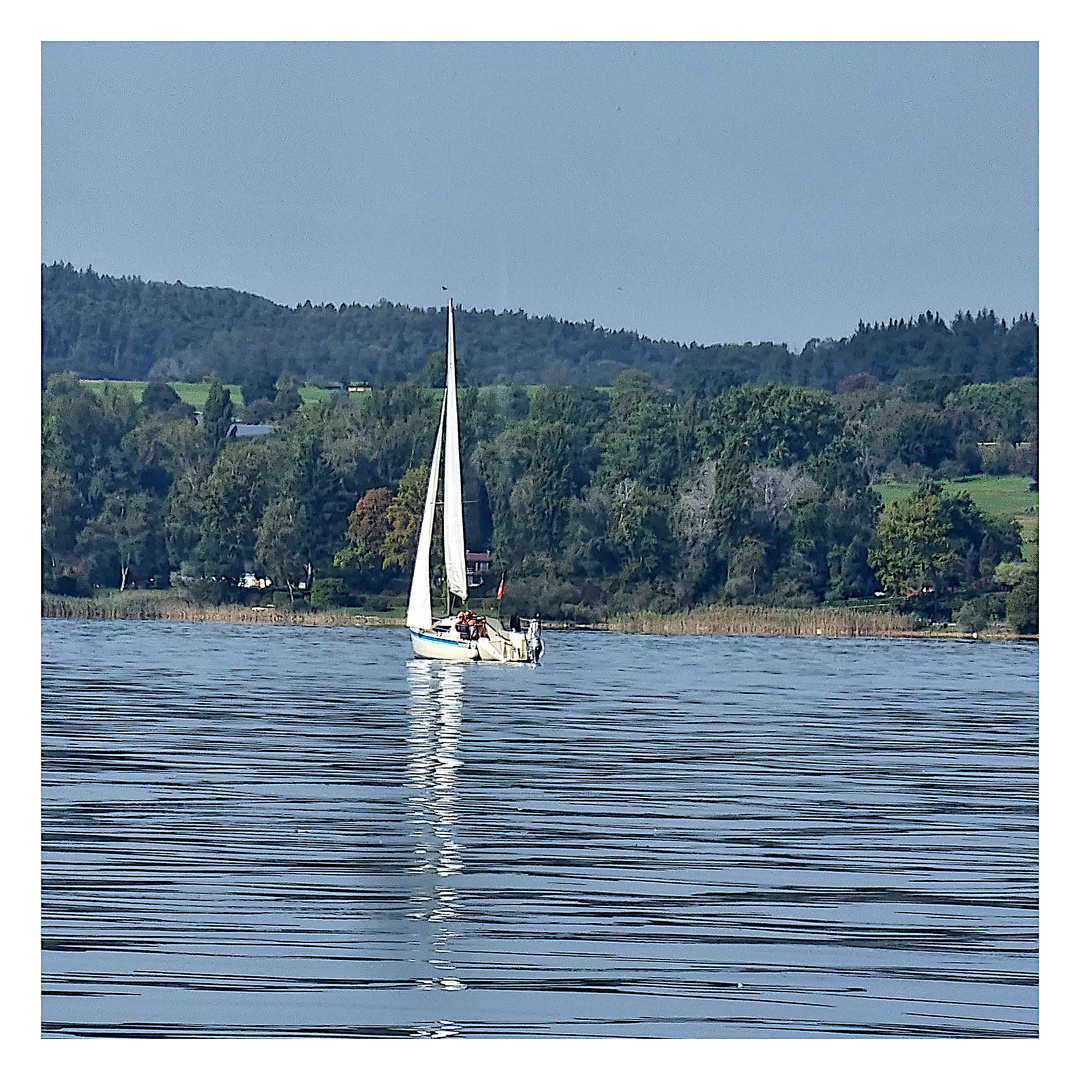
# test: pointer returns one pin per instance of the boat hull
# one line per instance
(500, 647)
(438, 647)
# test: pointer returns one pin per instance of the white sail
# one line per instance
(445, 640)
(453, 508)
(419, 613)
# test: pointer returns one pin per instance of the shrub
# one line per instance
(211, 591)
(158, 396)
(282, 600)
(181, 411)
(998, 459)
(579, 613)
(925, 439)
(70, 585)
(1022, 606)
(288, 399)
(1026, 462)
(972, 615)
(329, 592)
(548, 596)
(258, 384)
(1011, 573)
(968, 457)
(663, 604)
(861, 382)
(260, 411)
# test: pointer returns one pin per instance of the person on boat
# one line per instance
(481, 626)
(462, 626)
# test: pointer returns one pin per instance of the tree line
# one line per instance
(127, 329)
(640, 497)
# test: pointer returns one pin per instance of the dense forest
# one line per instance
(608, 473)
(123, 328)
(637, 497)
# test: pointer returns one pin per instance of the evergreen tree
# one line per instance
(217, 419)
(258, 384)
(159, 397)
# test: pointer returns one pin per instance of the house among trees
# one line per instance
(477, 564)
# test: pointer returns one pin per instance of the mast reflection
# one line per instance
(436, 690)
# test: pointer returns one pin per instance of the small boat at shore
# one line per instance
(461, 636)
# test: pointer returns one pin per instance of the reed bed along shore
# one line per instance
(149, 605)
(793, 622)
(796, 622)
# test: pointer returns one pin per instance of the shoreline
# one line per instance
(713, 621)
(803, 622)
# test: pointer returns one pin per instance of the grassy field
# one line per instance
(195, 394)
(996, 496)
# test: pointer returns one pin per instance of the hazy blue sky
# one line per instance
(708, 192)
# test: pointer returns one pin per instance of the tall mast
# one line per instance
(453, 507)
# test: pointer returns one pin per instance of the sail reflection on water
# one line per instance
(435, 709)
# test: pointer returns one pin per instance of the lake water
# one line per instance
(303, 831)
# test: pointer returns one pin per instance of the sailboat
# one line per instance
(462, 636)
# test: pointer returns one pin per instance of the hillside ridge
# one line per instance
(125, 328)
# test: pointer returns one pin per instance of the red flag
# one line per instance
(502, 582)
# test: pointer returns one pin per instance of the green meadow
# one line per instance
(194, 394)
(996, 496)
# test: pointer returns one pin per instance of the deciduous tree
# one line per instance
(231, 504)
(125, 542)
(369, 526)
(404, 512)
(281, 541)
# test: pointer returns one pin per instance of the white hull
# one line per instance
(501, 646)
(439, 647)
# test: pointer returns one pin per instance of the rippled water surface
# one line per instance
(287, 831)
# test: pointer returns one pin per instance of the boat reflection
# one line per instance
(435, 708)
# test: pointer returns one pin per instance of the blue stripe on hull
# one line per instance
(441, 640)
(458, 650)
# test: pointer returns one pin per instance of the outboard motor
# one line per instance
(533, 641)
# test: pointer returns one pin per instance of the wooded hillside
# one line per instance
(126, 328)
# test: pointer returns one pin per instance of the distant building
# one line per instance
(477, 564)
(359, 389)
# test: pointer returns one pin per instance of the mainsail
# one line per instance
(418, 616)
(444, 639)
(453, 510)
